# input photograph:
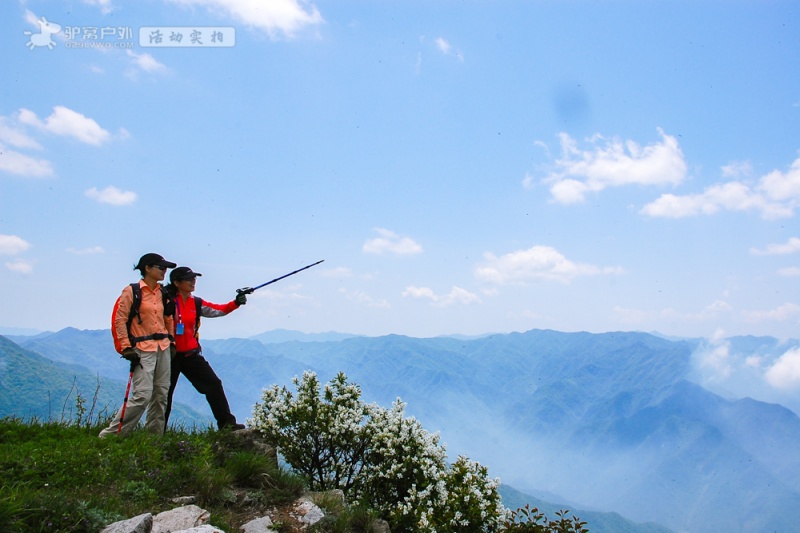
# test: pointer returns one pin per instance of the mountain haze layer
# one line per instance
(605, 421)
(608, 422)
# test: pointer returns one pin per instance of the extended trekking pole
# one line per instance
(125, 401)
(248, 290)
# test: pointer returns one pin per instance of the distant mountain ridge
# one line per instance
(276, 336)
(35, 386)
(607, 421)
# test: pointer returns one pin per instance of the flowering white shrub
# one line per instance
(379, 457)
(322, 438)
(473, 499)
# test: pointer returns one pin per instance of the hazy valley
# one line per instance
(615, 422)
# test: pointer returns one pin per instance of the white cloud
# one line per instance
(419, 292)
(418, 64)
(716, 359)
(737, 169)
(782, 186)
(791, 246)
(457, 295)
(363, 298)
(31, 18)
(753, 361)
(776, 195)
(789, 272)
(86, 251)
(145, 62)
(66, 122)
(284, 295)
(718, 306)
(732, 196)
(16, 137)
(630, 316)
(525, 314)
(536, 263)
(20, 164)
(613, 164)
(443, 45)
(709, 312)
(785, 372)
(12, 245)
(781, 313)
(447, 49)
(276, 17)
(640, 317)
(528, 182)
(111, 195)
(15, 162)
(104, 5)
(338, 272)
(391, 242)
(20, 265)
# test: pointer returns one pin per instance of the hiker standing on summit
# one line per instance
(142, 327)
(189, 359)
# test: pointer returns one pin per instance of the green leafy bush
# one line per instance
(531, 520)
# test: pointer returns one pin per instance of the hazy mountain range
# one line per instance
(34, 386)
(613, 422)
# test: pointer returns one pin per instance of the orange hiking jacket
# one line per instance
(151, 312)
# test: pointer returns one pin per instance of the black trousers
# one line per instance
(205, 381)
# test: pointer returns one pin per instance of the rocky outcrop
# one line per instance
(138, 524)
(187, 517)
(193, 519)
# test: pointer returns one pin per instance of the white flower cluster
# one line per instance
(378, 456)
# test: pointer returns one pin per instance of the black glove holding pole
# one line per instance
(133, 356)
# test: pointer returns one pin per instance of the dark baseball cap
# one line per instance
(182, 273)
(153, 260)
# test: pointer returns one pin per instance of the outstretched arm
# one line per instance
(212, 310)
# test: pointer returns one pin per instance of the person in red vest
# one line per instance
(188, 359)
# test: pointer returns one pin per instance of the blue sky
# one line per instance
(461, 167)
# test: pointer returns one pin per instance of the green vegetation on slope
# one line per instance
(62, 477)
(59, 477)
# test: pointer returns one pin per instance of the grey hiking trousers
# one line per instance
(149, 391)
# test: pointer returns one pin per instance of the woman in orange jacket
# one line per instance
(150, 356)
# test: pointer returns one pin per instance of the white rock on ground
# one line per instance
(179, 519)
(138, 524)
(259, 525)
(309, 513)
